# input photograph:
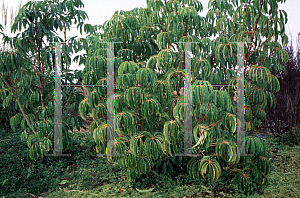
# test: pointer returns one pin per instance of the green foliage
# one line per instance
(148, 37)
(8, 110)
(148, 134)
(27, 71)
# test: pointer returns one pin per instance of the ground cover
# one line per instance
(86, 175)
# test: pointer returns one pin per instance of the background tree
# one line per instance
(148, 135)
(286, 115)
(27, 72)
(8, 16)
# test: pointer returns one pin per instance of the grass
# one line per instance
(86, 175)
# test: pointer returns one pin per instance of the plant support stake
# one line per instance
(57, 105)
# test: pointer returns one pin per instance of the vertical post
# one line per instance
(187, 102)
(110, 121)
(110, 99)
(58, 105)
(240, 99)
(188, 137)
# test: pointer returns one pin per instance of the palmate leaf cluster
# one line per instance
(149, 118)
(27, 71)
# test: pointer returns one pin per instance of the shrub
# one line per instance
(147, 134)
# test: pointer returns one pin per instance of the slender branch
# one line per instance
(179, 54)
(32, 44)
(233, 26)
(17, 99)
(153, 44)
(152, 31)
(247, 18)
(165, 6)
(261, 45)
(49, 98)
(134, 57)
(255, 27)
(160, 21)
(256, 62)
